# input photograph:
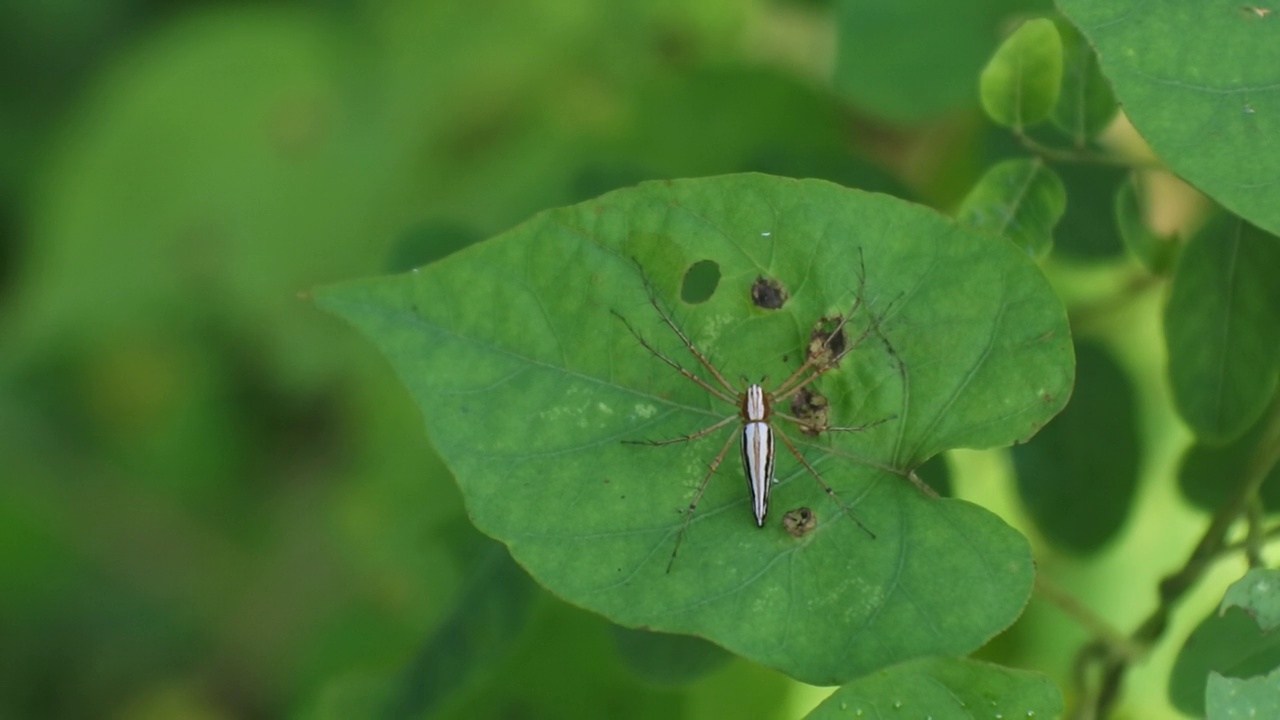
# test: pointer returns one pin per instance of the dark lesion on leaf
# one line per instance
(811, 408)
(827, 342)
(800, 522)
(768, 293)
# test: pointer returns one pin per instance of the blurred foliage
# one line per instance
(1079, 492)
(220, 505)
(219, 502)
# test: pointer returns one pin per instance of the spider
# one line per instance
(755, 411)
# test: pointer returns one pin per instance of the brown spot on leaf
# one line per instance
(827, 342)
(768, 293)
(812, 410)
(799, 522)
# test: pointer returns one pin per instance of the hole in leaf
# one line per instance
(768, 293)
(700, 282)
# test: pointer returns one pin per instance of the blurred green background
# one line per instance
(218, 502)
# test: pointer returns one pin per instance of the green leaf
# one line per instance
(1195, 79)
(709, 119)
(1209, 473)
(564, 666)
(1088, 228)
(351, 695)
(1229, 698)
(1085, 104)
(1229, 643)
(737, 117)
(1020, 84)
(665, 659)
(1222, 328)
(529, 385)
(134, 204)
(482, 630)
(914, 60)
(1017, 199)
(1258, 594)
(1077, 477)
(1156, 252)
(945, 688)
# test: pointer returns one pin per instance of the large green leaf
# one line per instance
(1222, 328)
(945, 688)
(1197, 79)
(482, 629)
(529, 386)
(566, 643)
(664, 659)
(1077, 478)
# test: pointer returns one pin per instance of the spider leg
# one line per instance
(679, 368)
(831, 493)
(684, 438)
(693, 505)
(855, 428)
(693, 350)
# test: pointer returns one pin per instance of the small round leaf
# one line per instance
(1086, 104)
(1222, 328)
(1020, 84)
(1020, 200)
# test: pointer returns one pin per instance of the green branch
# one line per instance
(1114, 666)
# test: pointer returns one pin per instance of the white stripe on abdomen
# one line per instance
(757, 461)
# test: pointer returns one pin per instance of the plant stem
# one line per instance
(1114, 641)
(1095, 312)
(921, 485)
(1081, 155)
(1255, 536)
(1265, 456)
(1267, 535)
